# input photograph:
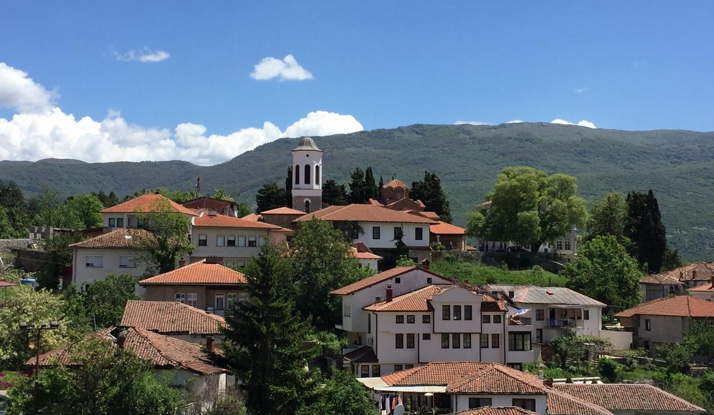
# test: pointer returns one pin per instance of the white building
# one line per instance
(365, 256)
(704, 291)
(125, 215)
(307, 176)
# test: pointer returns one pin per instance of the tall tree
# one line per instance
(101, 303)
(108, 200)
(6, 229)
(270, 196)
(16, 209)
(334, 194)
(381, 185)
(289, 188)
(608, 216)
(429, 191)
(370, 184)
(167, 237)
(264, 340)
(646, 231)
(53, 211)
(59, 255)
(530, 207)
(243, 209)
(222, 195)
(87, 208)
(358, 187)
(606, 272)
(344, 395)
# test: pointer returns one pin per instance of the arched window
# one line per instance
(307, 174)
(317, 175)
(307, 206)
(297, 174)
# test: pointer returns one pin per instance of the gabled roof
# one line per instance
(660, 279)
(561, 403)
(380, 277)
(629, 397)
(253, 217)
(119, 238)
(395, 183)
(443, 228)
(677, 306)
(365, 213)
(364, 354)
(361, 251)
(168, 317)
(496, 410)
(703, 288)
(207, 220)
(531, 294)
(696, 271)
(406, 203)
(282, 211)
(146, 203)
(198, 273)
(420, 300)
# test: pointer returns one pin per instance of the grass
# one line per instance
(482, 274)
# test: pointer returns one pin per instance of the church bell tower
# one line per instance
(307, 176)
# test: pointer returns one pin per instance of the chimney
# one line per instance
(121, 339)
(548, 382)
(389, 292)
(182, 262)
(425, 264)
(209, 343)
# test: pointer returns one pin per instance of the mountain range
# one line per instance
(678, 165)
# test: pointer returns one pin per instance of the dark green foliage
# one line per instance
(59, 255)
(381, 185)
(15, 211)
(334, 194)
(270, 196)
(101, 303)
(87, 209)
(370, 184)
(108, 200)
(700, 338)
(167, 238)
(358, 187)
(222, 195)
(243, 209)
(646, 231)
(571, 349)
(608, 369)
(343, 395)
(53, 211)
(608, 216)
(429, 191)
(289, 188)
(675, 356)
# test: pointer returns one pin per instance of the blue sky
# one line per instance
(625, 65)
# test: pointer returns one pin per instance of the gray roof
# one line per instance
(307, 144)
(530, 294)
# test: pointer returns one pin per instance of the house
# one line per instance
(447, 235)
(107, 254)
(220, 206)
(231, 241)
(211, 287)
(496, 410)
(665, 320)
(365, 256)
(704, 292)
(173, 319)
(691, 275)
(283, 217)
(657, 286)
(125, 215)
(183, 362)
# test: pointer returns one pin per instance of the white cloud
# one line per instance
(145, 55)
(515, 122)
(19, 91)
(581, 90)
(285, 70)
(583, 123)
(31, 135)
(472, 123)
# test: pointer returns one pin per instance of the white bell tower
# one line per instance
(307, 176)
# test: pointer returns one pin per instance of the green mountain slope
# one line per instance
(678, 165)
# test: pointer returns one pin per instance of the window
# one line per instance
(346, 311)
(410, 340)
(397, 280)
(202, 240)
(456, 341)
(586, 314)
(540, 314)
(252, 241)
(400, 319)
(220, 302)
(192, 299)
(497, 319)
(517, 366)
(399, 341)
(180, 297)
(559, 244)
(364, 371)
(648, 324)
(419, 235)
(479, 402)
(307, 174)
(261, 241)
(647, 345)
(376, 372)
(457, 312)
(519, 341)
(369, 324)
(307, 208)
(231, 240)
(112, 222)
(240, 264)
(408, 367)
(232, 300)
(297, 174)
(467, 340)
(94, 261)
(426, 319)
(426, 336)
(444, 341)
(528, 404)
(539, 335)
(446, 312)
(486, 318)
(120, 222)
(317, 174)
(241, 241)
(411, 319)
(511, 294)
(567, 244)
(397, 368)
(220, 240)
(397, 232)
(126, 261)
(468, 312)
(376, 232)
(484, 341)
(428, 280)
(495, 340)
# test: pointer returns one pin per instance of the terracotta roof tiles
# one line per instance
(496, 410)
(696, 271)
(198, 273)
(253, 217)
(146, 203)
(221, 221)
(365, 213)
(282, 211)
(374, 279)
(629, 397)
(168, 317)
(678, 306)
(703, 288)
(660, 279)
(119, 238)
(443, 228)
(364, 354)
(561, 403)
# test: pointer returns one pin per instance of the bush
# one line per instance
(608, 369)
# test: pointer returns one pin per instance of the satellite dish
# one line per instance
(398, 410)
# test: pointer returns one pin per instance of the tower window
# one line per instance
(317, 175)
(307, 206)
(297, 174)
(307, 174)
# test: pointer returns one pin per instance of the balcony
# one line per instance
(522, 321)
(563, 323)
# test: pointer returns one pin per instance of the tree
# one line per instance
(646, 231)
(371, 189)
(222, 195)
(607, 368)
(321, 261)
(531, 208)
(381, 185)
(243, 209)
(166, 239)
(289, 188)
(344, 395)
(16, 209)
(608, 216)
(358, 187)
(264, 340)
(6, 229)
(537, 275)
(571, 349)
(334, 194)
(59, 255)
(270, 196)
(87, 209)
(101, 303)
(675, 356)
(605, 271)
(429, 191)
(108, 200)
(53, 211)
(700, 338)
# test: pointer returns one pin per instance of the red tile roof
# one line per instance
(660, 279)
(4, 284)
(395, 183)
(561, 403)
(430, 215)
(146, 203)
(696, 271)
(443, 228)
(703, 288)
(282, 211)
(168, 317)
(198, 273)
(629, 397)
(678, 306)
(420, 300)
(253, 217)
(496, 410)
(119, 238)
(363, 354)
(377, 278)
(362, 251)
(365, 213)
(221, 221)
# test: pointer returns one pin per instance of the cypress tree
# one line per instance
(429, 191)
(646, 230)
(289, 188)
(372, 191)
(358, 188)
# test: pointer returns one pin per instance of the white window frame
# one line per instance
(180, 298)
(126, 261)
(253, 240)
(202, 238)
(192, 299)
(94, 261)
(220, 240)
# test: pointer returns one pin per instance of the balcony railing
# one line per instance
(561, 323)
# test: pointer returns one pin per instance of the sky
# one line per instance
(206, 81)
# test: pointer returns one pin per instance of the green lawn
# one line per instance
(483, 274)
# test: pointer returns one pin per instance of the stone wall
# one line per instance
(7, 245)
(30, 260)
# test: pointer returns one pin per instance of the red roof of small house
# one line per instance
(282, 211)
(365, 213)
(703, 288)
(420, 300)
(443, 228)
(380, 277)
(119, 238)
(208, 220)
(470, 248)
(170, 317)
(678, 306)
(146, 203)
(362, 251)
(696, 271)
(496, 410)
(253, 217)
(636, 397)
(660, 279)
(198, 273)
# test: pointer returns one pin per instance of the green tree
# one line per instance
(270, 196)
(608, 216)
(6, 229)
(372, 191)
(675, 356)
(243, 209)
(358, 187)
(646, 230)
(700, 338)
(101, 303)
(334, 194)
(405, 261)
(53, 211)
(59, 255)
(16, 209)
(289, 187)
(605, 271)
(381, 185)
(429, 191)
(264, 340)
(108, 200)
(343, 395)
(222, 195)
(571, 349)
(537, 276)
(607, 369)
(167, 238)
(86, 208)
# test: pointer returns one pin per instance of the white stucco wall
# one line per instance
(230, 254)
(704, 295)
(462, 401)
(386, 240)
(110, 265)
(368, 263)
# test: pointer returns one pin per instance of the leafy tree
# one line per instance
(607, 368)
(372, 191)
(222, 195)
(243, 209)
(343, 395)
(6, 229)
(404, 261)
(59, 255)
(700, 338)
(16, 209)
(675, 356)
(429, 191)
(608, 216)
(264, 340)
(646, 231)
(87, 208)
(101, 303)
(537, 276)
(167, 237)
(107, 380)
(381, 185)
(605, 271)
(334, 194)
(571, 349)
(321, 261)
(289, 188)
(358, 187)
(53, 211)
(270, 196)
(108, 200)
(530, 207)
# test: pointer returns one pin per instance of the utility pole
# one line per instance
(29, 327)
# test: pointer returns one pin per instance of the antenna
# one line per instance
(198, 185)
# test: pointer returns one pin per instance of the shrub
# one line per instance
(608, 369)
